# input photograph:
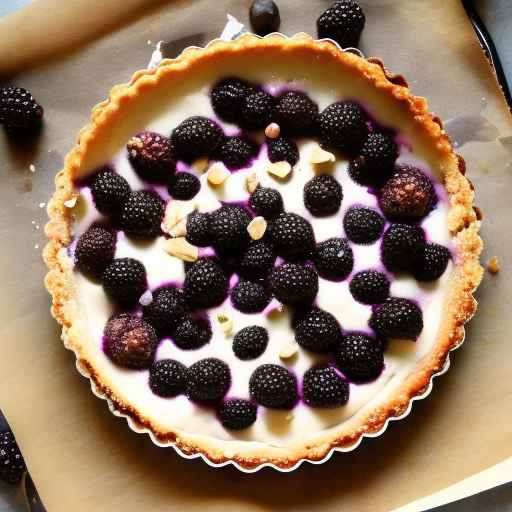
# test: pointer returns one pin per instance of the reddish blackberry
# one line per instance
(273, 386)
(205, 284)
(257, 260)
(432, 262)
(12, 464)
(397, 318)
(152, 156)
(283, 149)
(236, 152)
(323, 387)
(368, 175)
(124, 281)
(334, 258)
(167, 378)
(296, 113)
(257, 110)
(166, 309)
(184, 186)
(343, 21)
(294, 284)
(142, 214)
(20, 114)
(363, 225)
(237, 414)
(109, 191)
(250, 342)
(208, 380)
(250, 296)
(291, 235)
(359, 357)
(129, 341)
(317, 330)
(264, 16)
(198, 229)
(401, 246)
(379, 150)
(196, 136)
(228, 226)
(322, 195)
(369, 287)
(228, 97)
(266, 202)
(192, 332)
(95, 250)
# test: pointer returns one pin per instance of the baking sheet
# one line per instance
(83, 458)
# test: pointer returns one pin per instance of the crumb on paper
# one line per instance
(42, 205)
(36, 246)
(32, 168)
(149, 42)
(493, 265)
(37, 226)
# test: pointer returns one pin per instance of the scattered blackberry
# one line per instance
(152, 156)
(236, 152)
(208, 380)
(237, 414)
(109, 191)
(19, 112)
(368, 175)
(296, 113)
(264, 16)
(343, 126)
(401, 246)
(198, 229)
(379, 150)
(266, 202)
(166, 309)
(129, 341)
(323, 387)
(250, 342)
(257, 110)
(124, 281)
(142, 214)
(397, 318)
(322, 195)
(192, 332)
(184, 186)
(12, 464)
(359, 357)
(291, 235)
(196, 136)
(432, 262)
(205, 284)
(257, 260)
(167, 378)
(294, 284)
(228, 226)
(369, 287)
(250, 296)
(228, 97)
(343, 21)
(95, 250)
(317, 330)
(333, 258)
(363, 225)
(273, 386)
(283, 149)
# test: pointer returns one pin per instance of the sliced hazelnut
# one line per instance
(257, 228)
(279, 169)
(252, 182)
(225, 323)
(175, 215)
(320, 156)
(217, 174)
(180, 248)
(288, 350)
(272, 131)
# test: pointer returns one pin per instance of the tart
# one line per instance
(262, 250)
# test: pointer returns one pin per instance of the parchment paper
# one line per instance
(82, 458)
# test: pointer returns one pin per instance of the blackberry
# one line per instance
(359, 357)
(20, 113)
(369, 287)
(142, 214)
(273, 386)
(95, 250)
(379, 150)
(283, 149)
(192, 332)
(250, 296)
(228, 97)
(208, 380)
(124, 281)
(183, 186)
(397, 318)
(323, 387)
(257, 260)
(343, 125)
(152, 156)
(322, 195)
(257, 110)
(228, 226)
(12, 464)
(364, 173)
(343, 21)
(264, 16)
(317, 330)
(236, 152)
(198, 229)
(129, 341)
(250, 342)
(401, 246)
(334, 258)
(296, 113)
(266, 202)
(294, 284)
(205, 284)
(237, 414)
(363, 225)
(167, 378)
(109, 191)
(291, 235)
(166, 309)
(432, 262)
(196, 136)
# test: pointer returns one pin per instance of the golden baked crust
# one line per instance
(462, 219)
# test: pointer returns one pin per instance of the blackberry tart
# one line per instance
(290, 293)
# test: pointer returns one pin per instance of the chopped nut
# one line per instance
(181, 228)
(257, 228)
(182, 249)
(493, 265)
(217, 174)
(201, 164)
(146, 298)
(320, 156)
(252, 182)
(70, 203)
(288, 350)
(272, 131)
(225, 323)
(175, 214)
(279, 169)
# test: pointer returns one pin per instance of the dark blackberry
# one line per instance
(317, 330)
(294, 284)
(205, 284)
(257, 260)
(95, 250)
(343, 125)
(167, 378)
(142, 214)
(432, 262)
(196, 136)
(228, 97)
(283, 149)
(368, 175)
(296, 113)
(208, 380)
(322, 195)
(192, 332)
(166, 309)
(228, 226)
(359, 357)
(250, 296)
(250, 342)
(20, 113)
(343, 21)
(397, 318)
(291, 235)
(237, 414)
(334, 258)
(152, 156)
(266, 202)
(109, 191)
(236, 152)
(257, 110)
(323, 387)
(183, 186)
(363, 225)
(124, 281)
(379, 151)
(273, 386)
(12, 464)
(370, 287)
(264, 17)
(401, 246)
(198, 229)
